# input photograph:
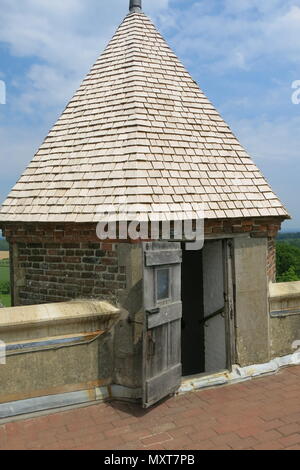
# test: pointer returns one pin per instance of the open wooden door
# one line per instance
(163, 312)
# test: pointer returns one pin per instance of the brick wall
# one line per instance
(71, 232)
(260, 227)
(59, 262)
(56, 272)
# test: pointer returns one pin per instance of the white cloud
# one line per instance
(55, 31)
(18, 146)
(226, 34)
(270, 140)
(62, 38)
(46, 87)
(275, 147)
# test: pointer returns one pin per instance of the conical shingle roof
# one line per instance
(140, 127)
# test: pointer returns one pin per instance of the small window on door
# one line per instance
(162, 284)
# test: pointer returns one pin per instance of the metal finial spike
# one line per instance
(135, 6)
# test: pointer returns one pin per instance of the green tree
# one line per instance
(288, 262)
(289, 276)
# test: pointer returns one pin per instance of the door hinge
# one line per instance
(151, 344)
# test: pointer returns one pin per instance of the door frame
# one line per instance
(229, 298)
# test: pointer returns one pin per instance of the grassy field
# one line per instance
(5, 276)
(4, 270)
(5, 300)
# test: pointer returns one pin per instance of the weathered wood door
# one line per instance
(162, 329)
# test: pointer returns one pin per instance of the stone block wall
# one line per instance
(284, 299)
(46, 374)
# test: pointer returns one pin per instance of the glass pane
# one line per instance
(163, 283)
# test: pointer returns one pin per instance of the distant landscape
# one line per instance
(5, 282)
(4, 274)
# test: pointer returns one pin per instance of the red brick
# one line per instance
(117, 432)
(182, 431)
(245, 443)
(273, 445)
(177, 444)
(157, 439)
(78, 425)
(230, 439)
(290, 440)
(268, 436)
(289, 429)
(202, 435)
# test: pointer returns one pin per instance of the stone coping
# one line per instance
(36, 315)
(284, 290)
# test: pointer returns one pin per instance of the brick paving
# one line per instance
(259, 414)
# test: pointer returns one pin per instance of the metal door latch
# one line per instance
(153, 311)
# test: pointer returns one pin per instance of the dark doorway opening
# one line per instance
(192, 330)
(204, 333)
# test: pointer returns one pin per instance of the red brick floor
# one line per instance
(259, 414)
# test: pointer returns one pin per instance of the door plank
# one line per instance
(163, 384)
(160, 258)
(168, 313)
